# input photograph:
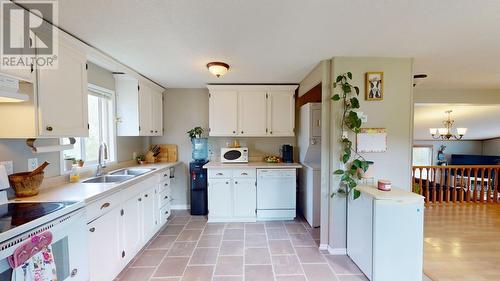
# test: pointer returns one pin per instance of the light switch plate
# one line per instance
(32, 164)
(9, 166)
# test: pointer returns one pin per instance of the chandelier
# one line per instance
(446, 133)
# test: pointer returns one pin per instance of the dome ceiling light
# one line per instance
(218, 68)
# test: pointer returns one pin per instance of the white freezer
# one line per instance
(385, 234)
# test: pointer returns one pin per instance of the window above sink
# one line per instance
(101, 129)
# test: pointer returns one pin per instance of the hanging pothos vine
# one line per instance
(355, 165)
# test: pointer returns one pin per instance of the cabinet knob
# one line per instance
(219, 174)
(234, 132)
(92, 229)
(156, 131)
(227, 182)
(166, 197)
(166, 184)
(235, 182)
(244, 174)
(166, 213)
(271, 132)
(145, 195)
(242, 132)
(49, 128)
(139, 199)
(151, 131)
(105, 205)
(74, 272)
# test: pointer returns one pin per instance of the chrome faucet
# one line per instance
(103, 155)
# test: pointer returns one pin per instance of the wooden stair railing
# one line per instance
(457, 183)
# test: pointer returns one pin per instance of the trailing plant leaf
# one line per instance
(354, 102)
(356, 194)
(355, 169)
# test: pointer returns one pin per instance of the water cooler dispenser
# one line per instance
(198, 177)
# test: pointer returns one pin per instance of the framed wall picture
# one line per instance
(374, 86)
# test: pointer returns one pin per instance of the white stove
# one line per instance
(21, 222)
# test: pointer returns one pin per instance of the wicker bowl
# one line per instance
(25, 185)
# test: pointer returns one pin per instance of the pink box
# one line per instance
(384, 185)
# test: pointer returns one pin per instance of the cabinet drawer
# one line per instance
(164, 185)
(244, 173)
(164, 214)
(165, 175)
(220, 173)
(103, 206)
(164, 197)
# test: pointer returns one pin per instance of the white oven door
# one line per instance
(68, 248)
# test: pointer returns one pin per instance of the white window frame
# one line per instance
(96, 90)
(424, 172)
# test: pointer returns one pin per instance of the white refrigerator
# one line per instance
(385, 234)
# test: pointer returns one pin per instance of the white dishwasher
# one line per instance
(276, 194)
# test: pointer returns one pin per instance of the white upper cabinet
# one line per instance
(145, 111)
(252, 113)
(139, 107)
(17, 40)
(62, 95)
(281, 113)
(223, 113)
(57, 105)
(252, 110)
(157, 109)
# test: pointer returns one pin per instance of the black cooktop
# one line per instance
(16, 214)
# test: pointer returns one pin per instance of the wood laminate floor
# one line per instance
(462, 242)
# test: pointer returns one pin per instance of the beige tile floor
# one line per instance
(190, 249)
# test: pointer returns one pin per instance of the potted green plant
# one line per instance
(355, 165)
(196, 132)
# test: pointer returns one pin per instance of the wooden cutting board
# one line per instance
(168, 153)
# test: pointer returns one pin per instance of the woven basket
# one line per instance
(25, 185)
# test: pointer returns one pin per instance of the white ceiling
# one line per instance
(482, 121)
(456, 42)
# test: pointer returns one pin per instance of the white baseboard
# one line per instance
(180, 207)
(323, 246)
(337, 251)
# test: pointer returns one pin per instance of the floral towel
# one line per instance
(40, 267)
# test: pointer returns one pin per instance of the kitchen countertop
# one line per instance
(89, 192)
(252, 165)
(394, 194)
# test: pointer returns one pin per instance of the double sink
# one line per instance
(119, 175)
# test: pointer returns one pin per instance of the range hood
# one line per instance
(9, 90)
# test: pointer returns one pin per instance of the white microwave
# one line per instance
(234, 155)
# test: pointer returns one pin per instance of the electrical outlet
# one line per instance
(32, 164)
(9, 166)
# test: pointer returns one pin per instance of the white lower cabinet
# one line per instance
(244, 198)
(220, 201)
(232, 198)
(120, 224)
(149, 214)
(131, 228)
(104, 246)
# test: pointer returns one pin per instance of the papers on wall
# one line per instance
(371, 140)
